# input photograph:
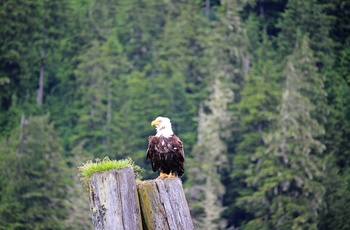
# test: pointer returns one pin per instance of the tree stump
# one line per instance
(113, 200)
(163, 205)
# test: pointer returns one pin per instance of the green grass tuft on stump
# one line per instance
(89, 168)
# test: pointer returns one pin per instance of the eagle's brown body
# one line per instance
(166, 155)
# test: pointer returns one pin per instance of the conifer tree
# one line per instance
(337, 135)
(181, 64)
(142, 27)
(100, 80)
(257, 107)
(79, 216)
(288, 174)
(20, 29)
(38, 176)
(309, 17)
(225, 48)
(183, 44)
(210, 157)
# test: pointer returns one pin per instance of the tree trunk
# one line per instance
(40, 94)
(207, 8)
(163, 205)
(113, 200)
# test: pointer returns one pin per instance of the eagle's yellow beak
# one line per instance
(155, 122)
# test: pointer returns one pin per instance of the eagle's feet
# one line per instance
(164, 175)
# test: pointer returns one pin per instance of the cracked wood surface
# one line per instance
(113, 200)
(163, 205)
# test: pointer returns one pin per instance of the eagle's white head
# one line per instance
(163, 126)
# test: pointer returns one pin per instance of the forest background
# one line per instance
(258, 90)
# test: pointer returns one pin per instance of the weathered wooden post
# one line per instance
(163, 205)
(114, 201)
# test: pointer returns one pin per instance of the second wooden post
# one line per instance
(163, 205)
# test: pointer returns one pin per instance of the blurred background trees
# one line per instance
(258, 90)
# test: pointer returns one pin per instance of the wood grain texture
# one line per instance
(114, 201)
(163, 205)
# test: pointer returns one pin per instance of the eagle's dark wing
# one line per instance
(179, 155)
(152, 153)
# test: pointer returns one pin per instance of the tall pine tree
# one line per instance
(288, 175)
(257, 107)
(225, 47)
(33, 163)
(209, 157)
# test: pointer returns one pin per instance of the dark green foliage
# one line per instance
(99, 93)
(337, 136)
(37, 177)
(338, 126)
(266, 81)
(19, 20)
(307, 17)
(287, 173)
(256, 111)
(337, 199)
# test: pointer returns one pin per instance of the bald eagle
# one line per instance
(165, 150)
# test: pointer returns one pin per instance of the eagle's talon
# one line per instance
(171, 175)
(162, 176)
